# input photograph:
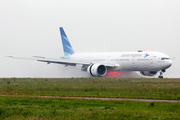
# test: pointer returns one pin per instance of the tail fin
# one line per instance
(68, 50)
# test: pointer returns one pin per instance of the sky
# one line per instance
(31, 28)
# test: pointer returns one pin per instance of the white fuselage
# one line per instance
(128, 61)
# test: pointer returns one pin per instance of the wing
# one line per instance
(65, 62)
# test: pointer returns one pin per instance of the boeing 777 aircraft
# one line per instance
(97, 64)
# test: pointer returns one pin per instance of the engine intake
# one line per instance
(148, 73)
(97, 70)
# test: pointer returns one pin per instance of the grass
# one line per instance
(32, 108)
(12, 108)
(94, 87)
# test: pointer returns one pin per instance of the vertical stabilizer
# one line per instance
(68, 50)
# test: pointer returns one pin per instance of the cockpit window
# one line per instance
(164, 58)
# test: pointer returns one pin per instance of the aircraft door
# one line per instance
(134, 64)
(152, 58)
(151, 61)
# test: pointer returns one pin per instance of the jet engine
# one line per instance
(97, 70)
(148, 73)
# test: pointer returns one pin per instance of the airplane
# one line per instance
(148, 63)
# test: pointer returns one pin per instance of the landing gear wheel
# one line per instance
(161, 74)
(160, 77)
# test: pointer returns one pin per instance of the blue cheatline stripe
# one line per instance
(68, 50)
(65, 41)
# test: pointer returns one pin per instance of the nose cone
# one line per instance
(168, 63)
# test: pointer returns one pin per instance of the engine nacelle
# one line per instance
(97, 70)
(148, 73)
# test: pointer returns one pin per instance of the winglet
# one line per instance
(68, 50)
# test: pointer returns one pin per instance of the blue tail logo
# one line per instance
(146, 55)
(68, 50)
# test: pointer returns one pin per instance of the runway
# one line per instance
(98, 98)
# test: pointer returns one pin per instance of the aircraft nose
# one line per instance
(168, 63)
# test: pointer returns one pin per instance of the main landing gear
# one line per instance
(161, 73)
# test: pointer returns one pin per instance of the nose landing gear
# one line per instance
(161, 73)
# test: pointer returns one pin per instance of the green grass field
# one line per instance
(31, 108)
(59, 109)
(95, 87)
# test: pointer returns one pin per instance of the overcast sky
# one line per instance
(31, 27)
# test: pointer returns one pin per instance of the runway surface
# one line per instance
(96, 98)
